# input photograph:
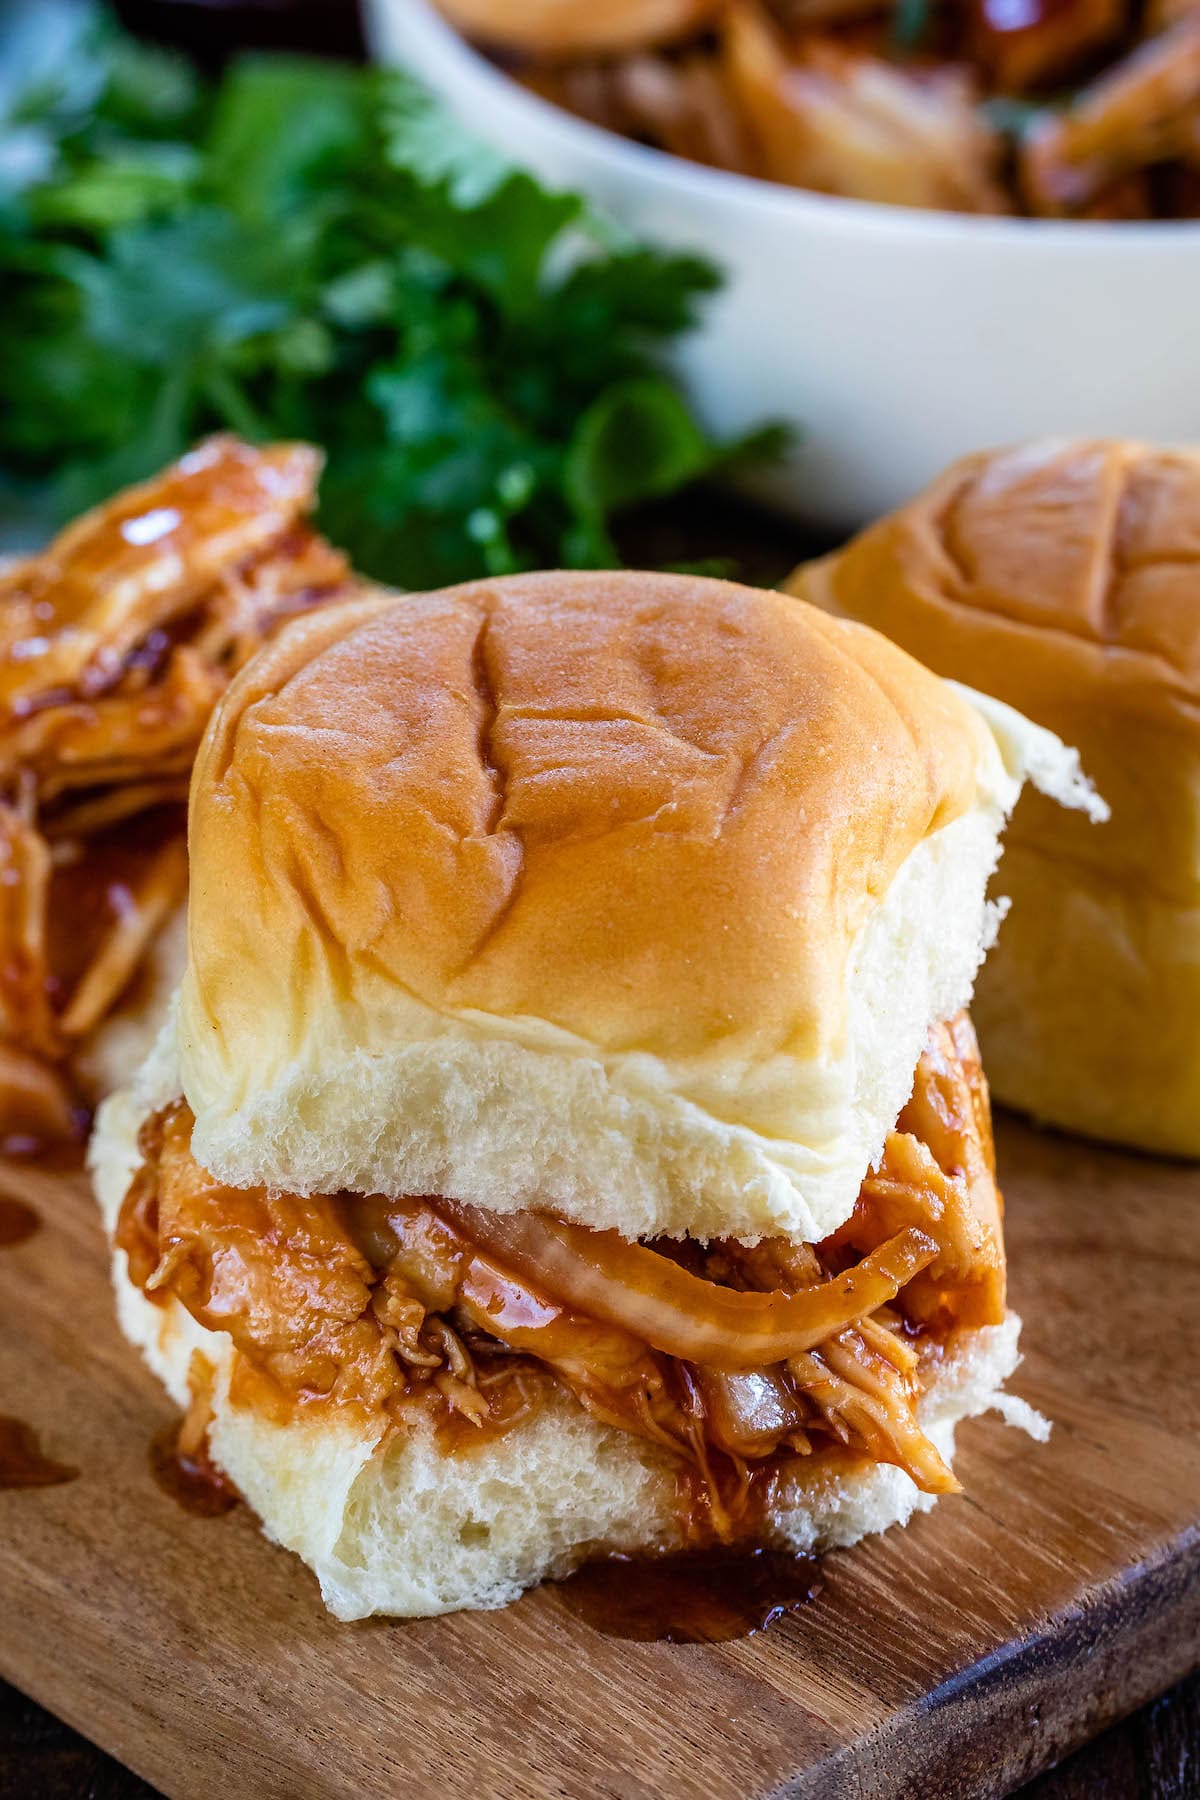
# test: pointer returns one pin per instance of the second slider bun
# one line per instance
(640, 891)
(1064, 577)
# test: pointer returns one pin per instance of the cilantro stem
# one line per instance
(226, 398)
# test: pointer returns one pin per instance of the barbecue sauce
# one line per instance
(18, 1222)
(190, 1477)
(22, 1462)
(695, 1597)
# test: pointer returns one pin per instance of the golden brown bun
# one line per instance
(638, 893)
(1065, 579)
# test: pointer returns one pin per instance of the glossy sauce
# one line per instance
(697, 1597)
(18, 1222)
(191, 1479)
(22, 1462)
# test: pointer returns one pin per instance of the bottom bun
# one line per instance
(401, 1527)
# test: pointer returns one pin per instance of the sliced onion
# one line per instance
(747, 1412)
(604, 1276)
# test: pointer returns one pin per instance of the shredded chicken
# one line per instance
(1139, 117)
(825, 116)
(1065, 108)
(1161, 14)
(1025, 48)
(115, 645)
(398, 1306)
(679, 103)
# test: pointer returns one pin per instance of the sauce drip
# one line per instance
(696, 1597)
(17, 1222)
(22, 1462)
(190, 1477)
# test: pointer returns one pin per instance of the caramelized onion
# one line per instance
(748, 1412)
(603, 1276)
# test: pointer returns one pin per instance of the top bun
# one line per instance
(631, 895)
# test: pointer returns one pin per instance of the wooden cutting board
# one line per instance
(956, 1658)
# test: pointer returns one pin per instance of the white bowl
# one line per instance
(894, 340)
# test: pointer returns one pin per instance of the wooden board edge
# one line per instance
(981, 1734)
(1020, 1711)
(132, 1751)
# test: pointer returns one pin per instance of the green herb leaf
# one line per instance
(636, 442)
(317, 251)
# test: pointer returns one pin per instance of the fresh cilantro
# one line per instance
(310, 250)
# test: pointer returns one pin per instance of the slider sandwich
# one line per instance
(570, 1138)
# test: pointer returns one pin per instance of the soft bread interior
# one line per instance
(499, 1111)
(406, 1530)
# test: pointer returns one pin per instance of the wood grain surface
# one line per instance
(1152, 1755)
(956, 1658)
